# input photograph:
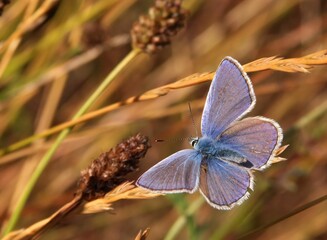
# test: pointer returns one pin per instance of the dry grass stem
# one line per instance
(126, 190)
(301, 64)
(105, 173)
(286, 65)
(35, 230)
(28, 23)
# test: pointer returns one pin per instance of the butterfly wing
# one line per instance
(179, 172)
(224, 184)
(255, 138)
(230, 97)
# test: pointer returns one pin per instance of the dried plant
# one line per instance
(167, 17)
(152, 32)
(110, 168)
(300, 64)
(126, 190)
(43, 42)
(105, 177)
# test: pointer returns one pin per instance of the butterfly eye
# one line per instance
(194, 141)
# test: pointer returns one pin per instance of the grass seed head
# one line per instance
(110, 168)
(152, 32)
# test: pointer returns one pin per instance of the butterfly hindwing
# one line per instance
(177, 173)
(230, 97)
(255, 138)
(224, 184)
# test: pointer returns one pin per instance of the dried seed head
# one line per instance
(3, 3)
(109, 169)
(154, 31)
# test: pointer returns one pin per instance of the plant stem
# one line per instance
(46, 158)
(181, 221)
(288, 215)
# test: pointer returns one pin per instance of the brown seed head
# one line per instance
(110, 168)
(152, 32)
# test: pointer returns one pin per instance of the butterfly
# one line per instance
(221, 162)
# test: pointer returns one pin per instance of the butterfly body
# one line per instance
(206, 146)
(216, 149)
(222, 161)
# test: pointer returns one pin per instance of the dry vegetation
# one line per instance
(72, 85)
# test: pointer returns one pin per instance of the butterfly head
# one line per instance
(194, 141)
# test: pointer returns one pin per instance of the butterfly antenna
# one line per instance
(193, 122)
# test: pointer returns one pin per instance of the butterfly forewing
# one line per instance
(230, 97)
(255, 138)
(224, 184)
(177, 173)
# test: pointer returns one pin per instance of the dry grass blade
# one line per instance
(126, 190)
(36, 229)
(286, 65)
(143, 234)
(104, 173)
(28, 23)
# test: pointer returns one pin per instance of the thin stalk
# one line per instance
(291, 214)
(182, 220)
(46, 158)
(311, 116)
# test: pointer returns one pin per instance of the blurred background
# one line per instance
(48, 70)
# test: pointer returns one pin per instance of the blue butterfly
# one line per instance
(222, 160)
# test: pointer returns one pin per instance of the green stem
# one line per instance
(46, 158)
(182, 220)
(311, 116)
